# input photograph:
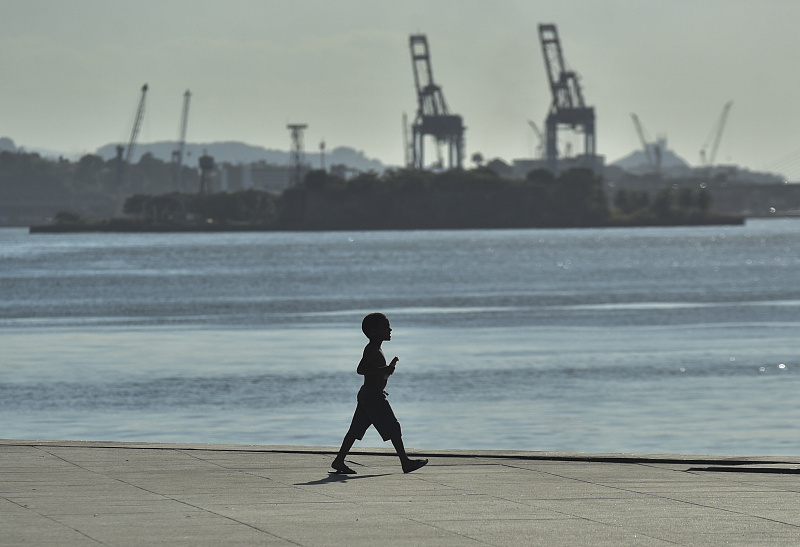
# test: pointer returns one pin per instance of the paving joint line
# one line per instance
(658, 496)
(50, 518)
(202, 509)
(449, 454)
(251, 474)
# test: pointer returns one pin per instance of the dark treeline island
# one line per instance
(408, 199)
(32, 186)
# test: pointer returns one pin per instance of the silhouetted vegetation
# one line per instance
(249, 206)
(477, 198)
(24, 175)
(33, 187)
(667, 206)
(397, 199)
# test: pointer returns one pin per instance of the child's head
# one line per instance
(372, 323)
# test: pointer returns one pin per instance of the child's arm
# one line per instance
(373, 362)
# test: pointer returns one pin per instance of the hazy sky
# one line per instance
(70, 72)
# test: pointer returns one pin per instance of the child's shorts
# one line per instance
(374, 409)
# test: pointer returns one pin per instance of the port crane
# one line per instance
(177, 155)
(433, 117)
(539, 137)
(651, 151)
(716, 135)
(568, 108)
(124, 160)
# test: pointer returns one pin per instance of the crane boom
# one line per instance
(716, 135)
(721, 127)
(536, 130)
(123, 155)
(640, 132)
(430, 98)
(539, 136)
(177, 155)
(137, 124)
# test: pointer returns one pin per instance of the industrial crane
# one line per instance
(123, 161)
(433, 118)
(568, 107)
(539, 137)
(137, 125)
(177, 155)
(716, 135)
(650, 150)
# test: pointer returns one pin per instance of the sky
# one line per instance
(71, 72)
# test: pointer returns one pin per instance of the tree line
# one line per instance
(28, 176)
(409, 199)
(398, 198)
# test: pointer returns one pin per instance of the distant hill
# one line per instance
(673, 166)
(7, 145)
(239, 152)
(637, 161)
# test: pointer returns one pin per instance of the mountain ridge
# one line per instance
(239, 152)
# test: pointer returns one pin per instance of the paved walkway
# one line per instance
(91, 493)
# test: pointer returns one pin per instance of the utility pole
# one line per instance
(297, 150)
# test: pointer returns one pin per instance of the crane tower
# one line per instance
(297, 150)
(568, 108)
(123, 161)
(433, 118)
(177, 155)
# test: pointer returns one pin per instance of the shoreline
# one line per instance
(529, 455)
(126, 226)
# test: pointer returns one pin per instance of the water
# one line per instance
(610, 340)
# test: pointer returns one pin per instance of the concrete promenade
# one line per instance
(96, 493)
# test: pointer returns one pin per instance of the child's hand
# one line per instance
(394, 362)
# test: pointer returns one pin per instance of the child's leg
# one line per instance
(401, 449)
(347, 444)
(358, 427)
(408, 464)
(338, 463)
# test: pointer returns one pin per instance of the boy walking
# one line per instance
(373, 407)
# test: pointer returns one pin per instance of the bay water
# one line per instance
(647, 340)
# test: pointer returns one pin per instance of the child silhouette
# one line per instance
(373, 407)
